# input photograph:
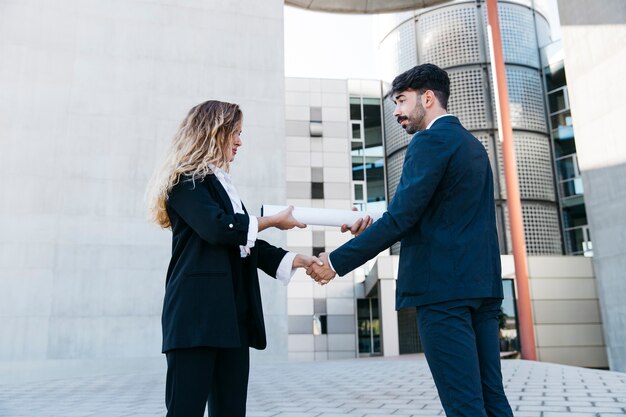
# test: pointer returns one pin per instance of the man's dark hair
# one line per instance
(421, 78)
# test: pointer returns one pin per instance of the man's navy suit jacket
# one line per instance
(200, 307)
(443, 213)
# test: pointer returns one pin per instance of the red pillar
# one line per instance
(524, 309)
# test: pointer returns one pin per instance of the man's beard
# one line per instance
(415, 120)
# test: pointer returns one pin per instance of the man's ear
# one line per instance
(428, 99)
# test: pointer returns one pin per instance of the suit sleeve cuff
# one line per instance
(285, 270)
(253, 231)
(331, 264)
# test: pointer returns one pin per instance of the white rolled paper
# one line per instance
(322, 217)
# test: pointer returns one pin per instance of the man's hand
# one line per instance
(305, 261)
(322, 274)
(359, 226)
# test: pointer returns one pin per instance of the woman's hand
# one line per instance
(304, 261)
(284, 220)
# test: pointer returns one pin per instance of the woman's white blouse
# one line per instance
(285, 270)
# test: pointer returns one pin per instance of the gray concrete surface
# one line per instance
(82, 271)
(346, 388)
(593, 51)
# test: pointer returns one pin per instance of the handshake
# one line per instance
(318, 268)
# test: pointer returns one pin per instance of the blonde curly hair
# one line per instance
(204, 137)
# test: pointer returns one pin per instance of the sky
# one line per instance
(329, 45)
(332, 45)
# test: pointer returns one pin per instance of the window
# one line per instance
(576, 235)
(368, 326)
(355, 108)
(315, 114)
(509, 329)
(319, 324)
(317, 190)
(368, 160)
(318, 249)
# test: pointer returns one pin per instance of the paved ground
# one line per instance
(348, 388)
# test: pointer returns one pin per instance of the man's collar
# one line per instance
(435, 119)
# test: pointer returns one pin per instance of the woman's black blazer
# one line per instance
(199, 306)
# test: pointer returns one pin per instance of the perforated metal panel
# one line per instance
(526, 101)
(406, 46)
(398, 51)
(504, 238)
(544, 34)
(486, 140)
(449, 36)
(534, 164)
(388, 55)
(394, 171)
(523, 2)
(519, 40)
(541, 228)
(534, 167)
(468, 97)
(395, 136)
(454, 37)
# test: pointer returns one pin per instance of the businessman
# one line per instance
(443, 213)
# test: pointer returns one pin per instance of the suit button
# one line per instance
(230, 225)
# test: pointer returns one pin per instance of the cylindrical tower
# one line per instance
(454, 37)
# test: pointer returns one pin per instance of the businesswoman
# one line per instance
(212, 309)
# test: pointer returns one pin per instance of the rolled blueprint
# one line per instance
(322, 217)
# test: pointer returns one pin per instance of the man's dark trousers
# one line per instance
(460, 340)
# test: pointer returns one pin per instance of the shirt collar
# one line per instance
(437, 118)
(219, 172)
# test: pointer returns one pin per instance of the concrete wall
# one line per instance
(92, 93)
(566, 310)
(595, 59)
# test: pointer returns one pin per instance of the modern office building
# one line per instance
(594, 53)
(335, 131)
(592, 34)
(334, 160)
(453, 36)
(570, 192)
(92, 93)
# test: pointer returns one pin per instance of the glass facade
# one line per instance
(368, 327)
(368, 160)
(509, 329)
(368, 192)
(577, 236)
